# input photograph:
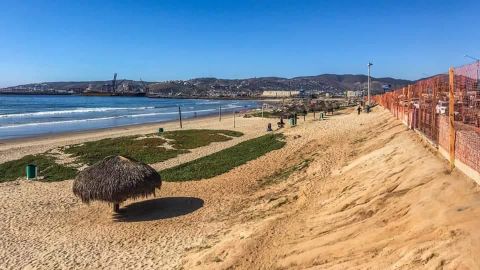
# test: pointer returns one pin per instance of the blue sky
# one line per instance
(166, 40)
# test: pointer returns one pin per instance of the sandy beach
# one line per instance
(361, 192)
(16, 148)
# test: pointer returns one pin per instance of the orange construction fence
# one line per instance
(446, 110)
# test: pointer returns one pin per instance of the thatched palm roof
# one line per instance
(116, 179)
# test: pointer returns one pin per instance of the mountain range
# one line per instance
(329, 83)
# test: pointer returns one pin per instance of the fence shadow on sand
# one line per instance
(160, 208)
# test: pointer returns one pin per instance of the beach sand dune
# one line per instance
(392, 206)
(351, 192)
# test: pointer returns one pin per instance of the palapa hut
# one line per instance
(116, 179)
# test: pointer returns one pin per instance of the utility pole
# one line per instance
(368, 86)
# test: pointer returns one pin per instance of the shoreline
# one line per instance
(225, 112)
(15, 148)
(60, 135)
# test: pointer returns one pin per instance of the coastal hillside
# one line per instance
(329, 83)
(325, 83)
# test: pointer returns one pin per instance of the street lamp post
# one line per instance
(368, 86)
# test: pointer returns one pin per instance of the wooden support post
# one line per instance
(408, 104)
(397, 105)
(433, 112)
(451, 116)
(180, 116)
(405, 98)
(116, 208)
(233, 119)
(220, 114)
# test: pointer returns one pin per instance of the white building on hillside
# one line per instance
(353, 94)
(280, 94)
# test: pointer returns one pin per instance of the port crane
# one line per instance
(114, 87)
(114, 83)
(145, 87)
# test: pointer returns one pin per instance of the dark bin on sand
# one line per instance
(31, 171)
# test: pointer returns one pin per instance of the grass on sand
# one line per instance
(225, 160)
(284, 173)
(149, 149)
(48, 168)
(189, 139)
(267, 114)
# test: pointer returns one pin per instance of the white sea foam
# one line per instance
(79, 110)
(100, 119)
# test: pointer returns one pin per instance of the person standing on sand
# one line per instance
(359, 109)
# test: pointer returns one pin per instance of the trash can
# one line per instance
(160, 130)
(291, 121)
(31, 171)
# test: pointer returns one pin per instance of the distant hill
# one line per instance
(331, 83)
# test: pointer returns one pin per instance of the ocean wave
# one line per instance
(100, 119)
(80, 110)
(208, 102)
(58, 122)
(231, 106)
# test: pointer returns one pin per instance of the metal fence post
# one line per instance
(451, 116)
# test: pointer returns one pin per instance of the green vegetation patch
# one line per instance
(267, 114)
(147, 150)
(284, 173)
(225, 160)
(193, 138)
(47, 168)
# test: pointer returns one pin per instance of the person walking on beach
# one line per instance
(359, 109)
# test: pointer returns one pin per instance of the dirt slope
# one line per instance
(392, 206)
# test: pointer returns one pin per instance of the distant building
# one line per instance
(280, 94)
(353, 94)
(386, 87)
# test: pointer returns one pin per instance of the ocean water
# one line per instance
(27, 116)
